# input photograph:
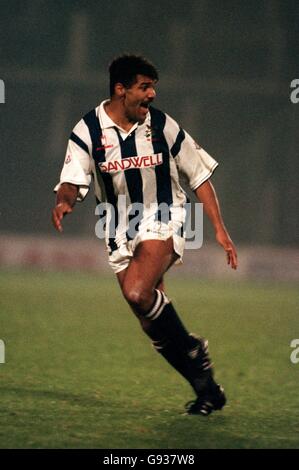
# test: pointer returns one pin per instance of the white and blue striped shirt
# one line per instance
(144, 164)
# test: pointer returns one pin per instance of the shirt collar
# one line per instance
(107, 122)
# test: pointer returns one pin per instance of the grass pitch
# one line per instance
(79, 372)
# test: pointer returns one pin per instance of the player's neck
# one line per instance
(115, 111)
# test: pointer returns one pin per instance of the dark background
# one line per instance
(225, 73)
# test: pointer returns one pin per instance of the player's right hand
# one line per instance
(58, 213)
(226, 242)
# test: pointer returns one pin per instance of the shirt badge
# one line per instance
(150, 133)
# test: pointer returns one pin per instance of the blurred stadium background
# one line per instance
(225, 74)
(225, 69)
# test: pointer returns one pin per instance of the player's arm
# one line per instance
(65, 200)
(206, 194)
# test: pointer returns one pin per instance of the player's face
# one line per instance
(138, 97)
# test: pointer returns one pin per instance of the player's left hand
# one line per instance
(226, 242)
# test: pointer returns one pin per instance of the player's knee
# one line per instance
(138, 298)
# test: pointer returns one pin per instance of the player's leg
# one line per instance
(142, 286)
(145, 323)
(186, 353)
(160, 342)
(150, 261)
(146, 267)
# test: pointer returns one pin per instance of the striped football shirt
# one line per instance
(143, 165)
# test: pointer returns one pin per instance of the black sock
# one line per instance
(166, 348)
(174, 356)
(166, 321)
(200, 380)
(172, 340)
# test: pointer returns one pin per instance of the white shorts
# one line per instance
(119, 259)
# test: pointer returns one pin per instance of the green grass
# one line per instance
(79, 372)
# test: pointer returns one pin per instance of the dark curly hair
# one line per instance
(125, 68)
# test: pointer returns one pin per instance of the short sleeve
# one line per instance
(193, 162)
(77, 164)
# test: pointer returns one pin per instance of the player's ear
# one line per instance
(119, 90)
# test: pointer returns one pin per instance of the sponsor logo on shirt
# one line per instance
(104, 143)
(130, 163)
